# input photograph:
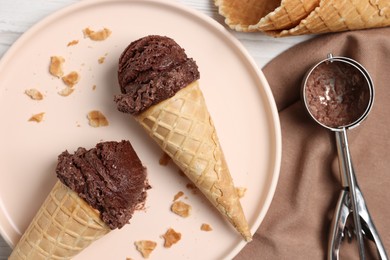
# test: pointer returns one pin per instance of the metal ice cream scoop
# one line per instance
(338, 93)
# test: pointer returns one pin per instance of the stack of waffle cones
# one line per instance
(297, 17)
(183, 128)
(64, 225)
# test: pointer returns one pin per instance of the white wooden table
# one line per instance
(17, 16)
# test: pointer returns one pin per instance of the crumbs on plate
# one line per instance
(56, 64)
(71, 79)
(72, 43)
(193, 188)
(56, 69)
(66, 91)
(206, 227)
(145, 247)
(100, 35)
(171, 237)
(178, 195)
(34, 94)
(181, 208)
(164, 159)
(240, 191)
(37, 117)
(101, 60)
(97, 119)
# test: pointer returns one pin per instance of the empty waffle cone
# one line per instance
(286, 16)
(298, 17)
(64, 225)
(183, 128)
(343, 15)
(264, 15)
(240, 15)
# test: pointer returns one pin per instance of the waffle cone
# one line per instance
(343, 15)
(183, 128)
(298, 17)
(240, 15)
(286, 16)
(64, 225)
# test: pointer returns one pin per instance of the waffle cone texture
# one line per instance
(183, 128)
(299, 17)
(64, 225)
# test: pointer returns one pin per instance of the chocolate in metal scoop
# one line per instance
(338, 93)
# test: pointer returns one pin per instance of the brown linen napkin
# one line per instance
(298, 222)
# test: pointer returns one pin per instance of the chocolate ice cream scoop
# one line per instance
(337, 93)
(110, 177)
(152, 69)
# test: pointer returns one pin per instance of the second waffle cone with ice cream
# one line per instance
(183, 128)
(160, 89)
(80, 208)
(64, 225)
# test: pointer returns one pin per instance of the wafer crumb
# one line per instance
(66, 91)
(171, 237)
(192, 187)
(145, 247)
(181, 208)
(71, 43)
(164, 159)
(56, 64)
(100, 35)
(206, 227)
(240, 191)
(71, 79)
(101, 60)
(97, 119)
(34, 94)
(37, 117)
(178, 195)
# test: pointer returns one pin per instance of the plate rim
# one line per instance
(273, 118)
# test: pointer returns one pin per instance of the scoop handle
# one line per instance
(369, 228)
(338, 229)
(347, 172)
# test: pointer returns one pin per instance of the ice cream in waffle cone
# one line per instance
(297, 17)
(70, 220)
(160, 89)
